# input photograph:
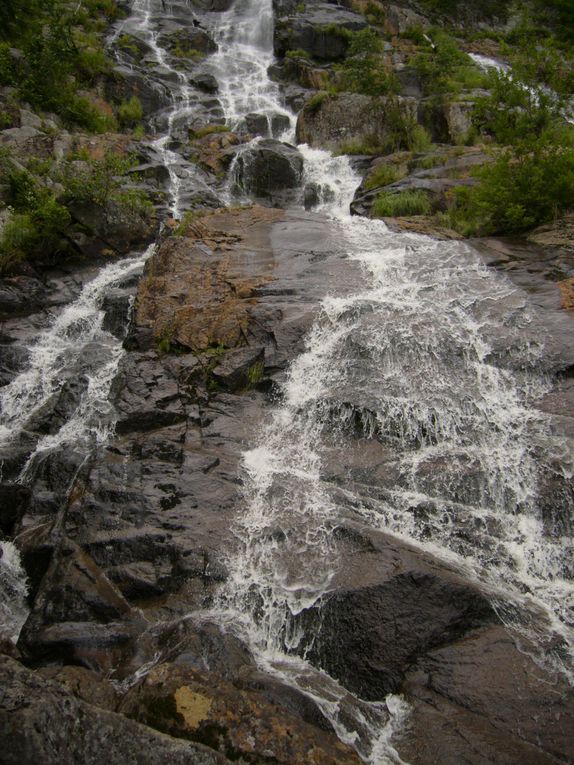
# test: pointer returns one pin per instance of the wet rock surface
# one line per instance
(269, 171)
(120, 548)
(318, 29)
(45, 723)
(240, 722)
(146, 528)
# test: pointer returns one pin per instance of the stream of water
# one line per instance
(435, 356)
(414, 356)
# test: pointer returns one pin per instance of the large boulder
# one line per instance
(489, 702)
(269, 170)
(335, 121)
(321, 29)
(368, 637)
(187, 41)
(111, 227)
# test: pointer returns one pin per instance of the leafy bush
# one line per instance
(389, 205)
(94, 181)
(130, 112)
(512, 112)
(437, 64)
(62, 51)
(364, 71)
(37, 224)
(519, 190)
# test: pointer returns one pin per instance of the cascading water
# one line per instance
(415, 358)
(75, 352)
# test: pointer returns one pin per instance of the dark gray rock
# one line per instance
(257, 124)
(113, 227)
(457, 690)
(14, 503)
(239, 369)
(320, 30)
(269, 170)
(12, 361)
(279, 124)
(205, 82)
(366, 638)
(20, 296)
(186, 40)
(117, 304)
(43, 722)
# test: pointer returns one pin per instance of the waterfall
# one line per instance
(415, 356)
(13, 590)
(433, 363)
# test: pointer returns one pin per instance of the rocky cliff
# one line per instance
(126, 543)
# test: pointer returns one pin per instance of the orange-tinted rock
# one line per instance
(239, 723)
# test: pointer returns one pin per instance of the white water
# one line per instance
(486, 63)
(74, 347)
(162, 74)
(413, 355)
(13, 589)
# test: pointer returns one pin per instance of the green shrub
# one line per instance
(420, 139)
(17, 241)
(80, 111)
(436, 65)
(7, 70)
(364, 71)
(96, 181)
(132, 201)
(384, 174)
(512, 112)
(519, 190)
(130, 112)
(298, 53)
(375, 13)
(37, 225)
(313, 104)
(389, 205)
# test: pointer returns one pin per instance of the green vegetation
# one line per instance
(208, 130)
(60, 53)
(383, 175)
(443, 69)
(99, 182)
(364, 70)
(130, 112)
(479, 8)
(524, 187)
(37, 221)
(389, 205)
(298, 53)
(531, 178)
(313, 104)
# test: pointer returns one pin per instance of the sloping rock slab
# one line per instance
(457, 690)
